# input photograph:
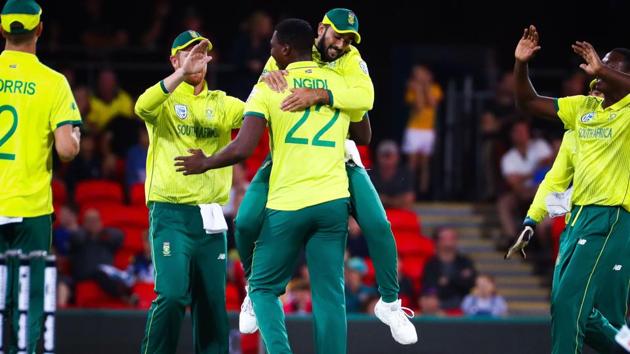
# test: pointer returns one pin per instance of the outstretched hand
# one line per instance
(528, 45)
(276, 80)
(193, 164)
(196, 59)
(593, 63)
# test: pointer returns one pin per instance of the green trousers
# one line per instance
(590, 286)
(321, 229)
(190, 270)
(32, 234)
(367, 209)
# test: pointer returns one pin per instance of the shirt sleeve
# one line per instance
(149, 104)
(567, 109)
(256, 104)
(356, 116)
(358, 94)
(234, 111)
(64, 108)
(557, 179)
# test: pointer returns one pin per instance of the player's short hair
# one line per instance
(296, 33)
(626, 55)
(19, 38)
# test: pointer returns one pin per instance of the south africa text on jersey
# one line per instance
(197, 131)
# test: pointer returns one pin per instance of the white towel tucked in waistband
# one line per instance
(213, 219)
(8, 220)
(352, 153)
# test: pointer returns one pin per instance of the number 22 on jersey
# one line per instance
(317, 141)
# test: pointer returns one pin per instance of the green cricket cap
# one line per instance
(343, 21)
(20, 16)
(187, 38)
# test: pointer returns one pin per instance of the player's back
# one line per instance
(32, 99)
(307, 146)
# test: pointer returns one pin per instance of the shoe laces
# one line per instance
(403, 313)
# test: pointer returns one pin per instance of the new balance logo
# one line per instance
(582, 241)
(617, 267)
(221, 256)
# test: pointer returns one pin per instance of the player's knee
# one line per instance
(172, 300)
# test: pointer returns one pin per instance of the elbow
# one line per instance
(67, 152)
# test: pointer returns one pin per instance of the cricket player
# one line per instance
(597, 231)
(308, 201)
(187, 228)
(333, 49)
(37, 110)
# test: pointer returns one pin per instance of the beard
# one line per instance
(328, 53)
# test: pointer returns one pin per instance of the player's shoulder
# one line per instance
(49, 73)
(223, 97)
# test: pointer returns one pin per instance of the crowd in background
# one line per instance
(516, 153)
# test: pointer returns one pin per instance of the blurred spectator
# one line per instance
(251, 51)
(68, 225)
(392, 180)
(429, 303)
(357, 293)
(407, 291)
(518, 166)
(82, 97)
(136, 164)
(483, 300)
(423, 96)
(495, 123)
(110, 168)
(141, 267)
(98, 29)
(298, 298)
(451, 273)
(109, 101)
(87, 165)
(575, 84)
(92, 252)
(155, 34)
(356, 244)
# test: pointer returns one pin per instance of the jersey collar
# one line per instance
(617, 105)
(18, 55)
(302, 65)
(189, 89)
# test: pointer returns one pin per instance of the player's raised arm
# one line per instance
(238, 150)
(594, 66)
(193, 63)
(527, 99)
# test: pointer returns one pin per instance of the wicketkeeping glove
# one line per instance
(523, 239)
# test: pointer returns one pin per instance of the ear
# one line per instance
(286, 50)
(40, 29)
(321, 28)
(174, 60)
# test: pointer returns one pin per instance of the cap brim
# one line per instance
(191, 41)
(357, 36)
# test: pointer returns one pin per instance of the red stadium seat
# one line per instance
(98, 192)
(366, 158)
(370, 277)
(123, 257)
(403, 221)
(59, 191)
(232, 298)
(137, 194)
(89, 295)
(557, 227)
(145, 294)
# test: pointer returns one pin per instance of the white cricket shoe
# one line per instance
(247, 322)
(397, 318)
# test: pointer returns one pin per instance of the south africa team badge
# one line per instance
(181, 111)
